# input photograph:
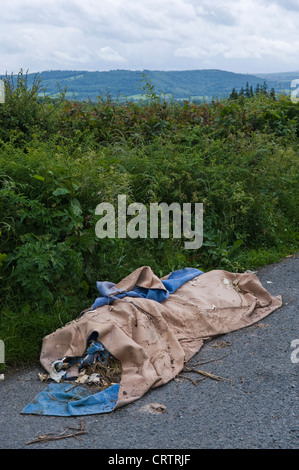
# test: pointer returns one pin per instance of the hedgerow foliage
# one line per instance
(59, 159)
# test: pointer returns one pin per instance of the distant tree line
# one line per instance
(248, 91)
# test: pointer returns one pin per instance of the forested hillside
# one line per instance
(125, 84)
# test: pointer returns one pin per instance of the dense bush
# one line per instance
(60, 159)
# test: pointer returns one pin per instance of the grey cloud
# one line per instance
(290, 5)
(11, 47)
(219, 16)
(163, 34)
(214, 11)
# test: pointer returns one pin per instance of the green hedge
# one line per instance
(59, 160)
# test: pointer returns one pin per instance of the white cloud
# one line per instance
(192, 51)
(110, 55)
(242, 36)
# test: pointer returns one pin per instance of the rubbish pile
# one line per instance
(140, 334)
(97, 368)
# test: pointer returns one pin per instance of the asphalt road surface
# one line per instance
(256, 407)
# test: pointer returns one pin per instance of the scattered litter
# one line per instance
(90, 382)
(43, 377)
(82, 379)
(194, 281)
(94, 379)
(231, 285)
(1, 376)
(227, 283)
(96, 367)
(57, 371)
(63, 435)
(155, 408)
(248, 271)
(269, 282)
(150, 344)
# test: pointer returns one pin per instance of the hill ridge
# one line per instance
(179, 84)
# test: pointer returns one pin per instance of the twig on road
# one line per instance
(63, 435)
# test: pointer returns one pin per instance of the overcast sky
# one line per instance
(248, 36)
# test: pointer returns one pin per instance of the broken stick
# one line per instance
(49, 437)
(206, 374)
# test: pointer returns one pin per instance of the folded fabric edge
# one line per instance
(65, 399)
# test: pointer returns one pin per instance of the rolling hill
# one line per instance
(127, 84)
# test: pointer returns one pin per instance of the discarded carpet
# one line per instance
(152, 339)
